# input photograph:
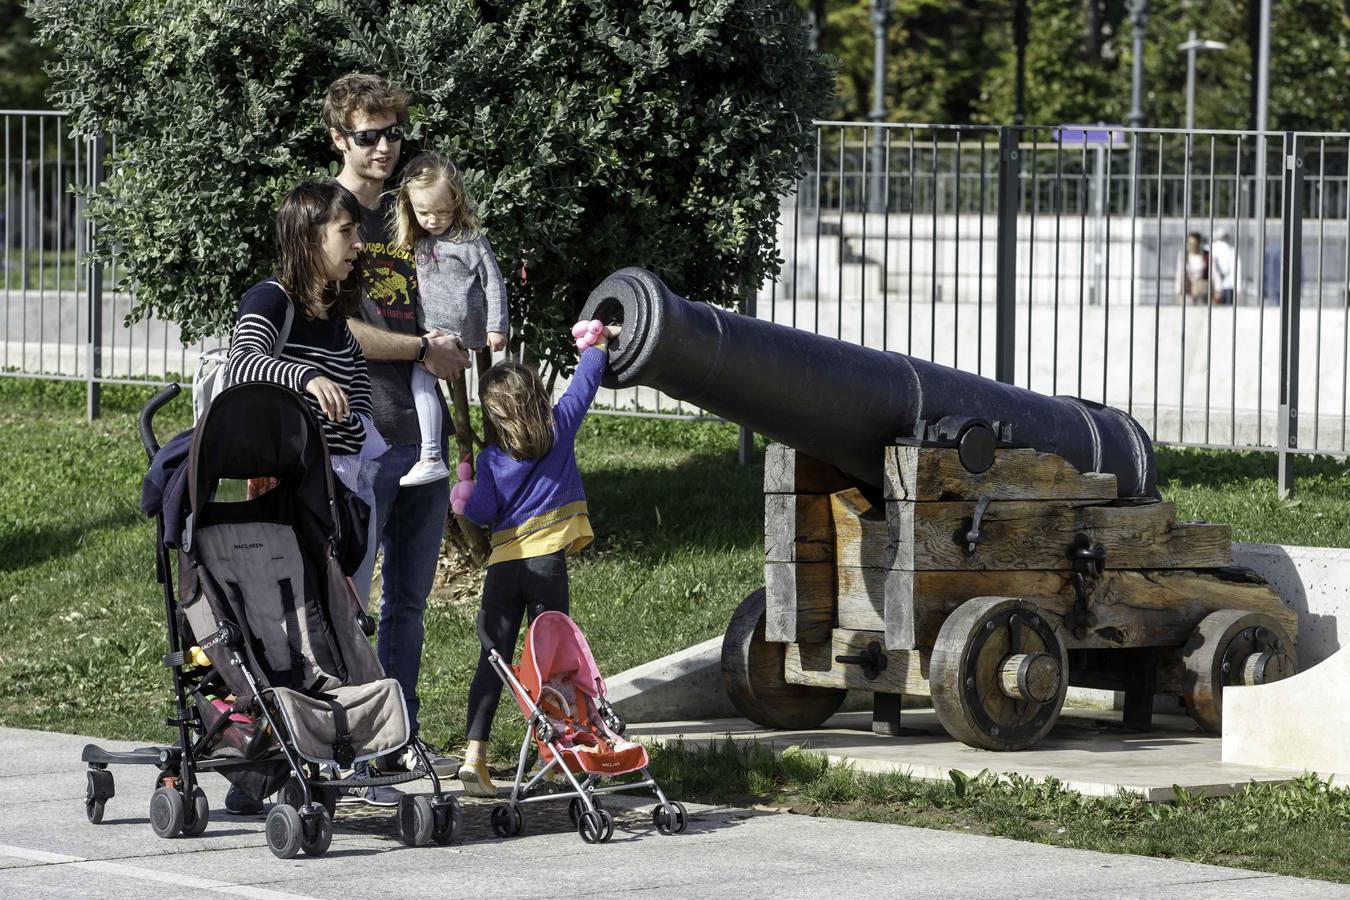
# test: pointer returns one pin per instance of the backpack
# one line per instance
(209, 378)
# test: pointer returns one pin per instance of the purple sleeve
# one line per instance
(483, 502)
(571, 407)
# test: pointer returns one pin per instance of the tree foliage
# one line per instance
(593, 134)
(23, 83)
(954, 61)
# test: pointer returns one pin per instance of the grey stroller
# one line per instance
(277, 687)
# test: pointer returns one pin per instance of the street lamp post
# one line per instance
(1193, 46)
(881, 21)
(1020, 41)
(1138, 19)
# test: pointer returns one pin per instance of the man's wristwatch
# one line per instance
(422, 350)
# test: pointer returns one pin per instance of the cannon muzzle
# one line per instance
(836, 401)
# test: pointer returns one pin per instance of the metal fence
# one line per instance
(1053, 258)
(64, 315)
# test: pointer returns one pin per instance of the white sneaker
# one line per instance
(425, 472)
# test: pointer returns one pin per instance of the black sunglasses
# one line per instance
(369, 137)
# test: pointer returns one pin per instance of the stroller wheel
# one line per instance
(670, 818)
(507, 820)
(447, 821)
(291, 793)
(201, 814)
(416, 820)
(595, 827)
(575, 808)
(316, 830)
(98, 787)
(166, 812)
(328, 796)
(284, 831)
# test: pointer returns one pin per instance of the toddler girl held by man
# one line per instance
(459, 283)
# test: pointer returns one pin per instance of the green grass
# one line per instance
(47, 270)
(677, 524)
(678, 544)
(1240, 488)
(1302, 828)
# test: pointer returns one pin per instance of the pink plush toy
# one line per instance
(587, 333)
(463, 489)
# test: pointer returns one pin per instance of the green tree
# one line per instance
(1309, 65)
(23, 83)
(594, 134)
(936, 64)
(954, 61)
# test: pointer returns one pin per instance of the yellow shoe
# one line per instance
(474, 776)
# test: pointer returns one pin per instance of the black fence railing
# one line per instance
(1199, 280)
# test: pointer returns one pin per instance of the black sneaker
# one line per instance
(242, 803)
(376, 794)
(407, 760)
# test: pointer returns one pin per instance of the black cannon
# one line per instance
(840, 402)
(931, 532)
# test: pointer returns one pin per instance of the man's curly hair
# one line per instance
(357, 93)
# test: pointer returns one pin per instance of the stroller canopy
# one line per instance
(250, 431)
(264, 430)
(555, 645)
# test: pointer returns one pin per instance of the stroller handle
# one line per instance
(148, 415)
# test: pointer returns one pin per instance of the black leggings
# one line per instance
(511, 589)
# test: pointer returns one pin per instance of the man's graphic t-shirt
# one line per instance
(390, 302)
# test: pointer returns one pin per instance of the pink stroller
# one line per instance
(576, 731)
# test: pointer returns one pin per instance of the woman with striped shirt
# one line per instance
(317, 242)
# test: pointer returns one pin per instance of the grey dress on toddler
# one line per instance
(461, 288)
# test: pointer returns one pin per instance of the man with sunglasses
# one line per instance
(366, 116)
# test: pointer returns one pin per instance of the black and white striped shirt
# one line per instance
(314, 347)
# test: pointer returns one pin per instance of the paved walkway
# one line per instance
(1088, 750)
(47, 848)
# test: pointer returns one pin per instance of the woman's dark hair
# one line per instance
(304, 212)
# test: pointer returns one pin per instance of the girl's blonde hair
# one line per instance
(518, 408)
(425, 171)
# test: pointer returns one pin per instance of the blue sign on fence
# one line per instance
(1110, 135)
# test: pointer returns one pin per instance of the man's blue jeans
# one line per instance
(410, 524)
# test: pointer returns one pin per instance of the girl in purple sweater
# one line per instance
(528, 492)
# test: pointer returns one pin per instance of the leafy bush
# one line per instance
(595, 134)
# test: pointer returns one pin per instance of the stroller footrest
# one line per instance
(373, 780)
(145, 756)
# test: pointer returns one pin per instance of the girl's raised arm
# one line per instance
(571, 407)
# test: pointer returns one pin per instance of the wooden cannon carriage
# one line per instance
(1058, 582)
(934, 533)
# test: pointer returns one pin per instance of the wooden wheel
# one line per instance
(752, 673)
(998, 674)
(1232, 647)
